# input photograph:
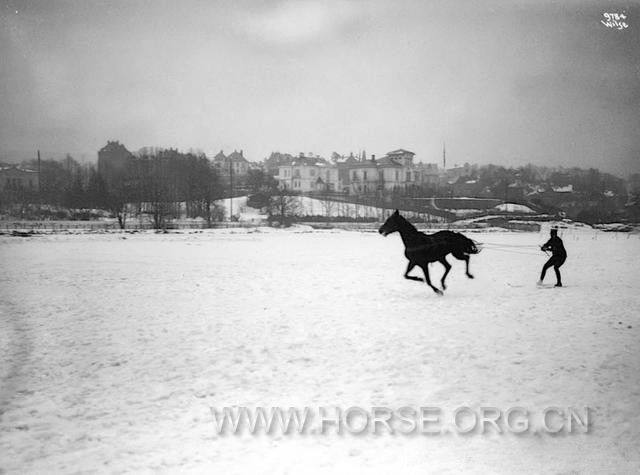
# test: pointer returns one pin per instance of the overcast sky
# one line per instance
(500, 82)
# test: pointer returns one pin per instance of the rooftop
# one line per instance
(400, 151)
(113, 145)
(387, 162)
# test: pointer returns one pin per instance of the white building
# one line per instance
(17, 178)
(393, 172)
(304, 174)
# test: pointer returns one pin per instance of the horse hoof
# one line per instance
(470, 276)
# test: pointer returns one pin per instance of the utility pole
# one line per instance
(230, 189)
(39, 186)
(39, 182)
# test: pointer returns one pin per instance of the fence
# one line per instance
(106, 226)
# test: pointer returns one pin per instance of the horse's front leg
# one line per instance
(464, 257)
(410, 266)
(467, 259)
(447, 268)
(425, 269)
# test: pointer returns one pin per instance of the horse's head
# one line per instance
(392, 224)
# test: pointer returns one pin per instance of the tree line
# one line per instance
(161, 184)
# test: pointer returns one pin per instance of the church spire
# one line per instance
(444, 157)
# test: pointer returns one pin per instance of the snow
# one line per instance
(563, 189)
(514, 208)
(245, 214)
(113, 348)
(465, 211)
(307, 206)
(315, 207)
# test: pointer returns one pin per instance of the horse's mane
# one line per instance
(407, 224)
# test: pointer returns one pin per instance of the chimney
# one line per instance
(373, 157)
(241, 153)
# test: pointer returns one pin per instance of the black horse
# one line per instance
(422, 249)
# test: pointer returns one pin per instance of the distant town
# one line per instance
(167, 184)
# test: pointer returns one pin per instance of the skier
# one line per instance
(559, 255)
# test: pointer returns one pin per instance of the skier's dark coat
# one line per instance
(559, 255)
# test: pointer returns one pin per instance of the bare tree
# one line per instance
(207, 188)
(116, 203)
(283, 206)
(328, 206)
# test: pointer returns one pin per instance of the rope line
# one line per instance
(512, 251)
(495, 244)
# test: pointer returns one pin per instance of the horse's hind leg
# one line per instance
(410, 277)
(447, 268)
(464, 257)
(425, 268)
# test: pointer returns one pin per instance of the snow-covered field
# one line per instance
(114, 348)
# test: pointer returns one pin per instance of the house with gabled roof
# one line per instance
(402, 156)
(397, 170)
(234, 163)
